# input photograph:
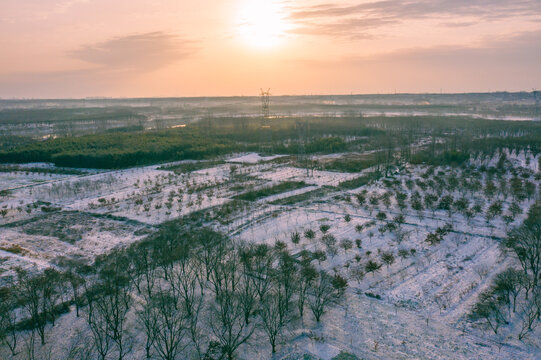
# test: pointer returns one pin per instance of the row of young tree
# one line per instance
(188, 294)
(462, 192)
(516, 291)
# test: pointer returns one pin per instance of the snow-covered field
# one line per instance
(425, 292)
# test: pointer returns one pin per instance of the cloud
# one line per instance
(513, 51)
(522, 49)
(458, 24)
(141, 52)
(424, 8)
(510, 62)
(506, 63)
(352, 19)
(116, 64)
(354, 29)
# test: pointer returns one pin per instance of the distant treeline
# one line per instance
(112, 150)
(120, 150)
(451, 157)
(453, 140)
(40, 170)
(53, 115)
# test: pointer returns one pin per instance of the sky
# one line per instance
(158, 48)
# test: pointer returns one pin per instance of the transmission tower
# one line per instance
(265, 102)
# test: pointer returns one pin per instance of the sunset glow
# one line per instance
(79, 48)
(262, 23)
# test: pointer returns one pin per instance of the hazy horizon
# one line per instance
(257, 95)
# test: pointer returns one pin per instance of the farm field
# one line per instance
(320, 236)
(417, 247)
(270, 180)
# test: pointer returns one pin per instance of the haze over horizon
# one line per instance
(166, 48)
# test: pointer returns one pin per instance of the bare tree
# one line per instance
(146, 318)
(488, 308)
(286, 282)
(170, 325)
(388, 258)
(525, 242)
(248, 290)
(39, 296)
(100, 330)
(346, 244)
(225, 275)
(324, 228)
(530, 313)
(372, 267)
(309, 234)
(295, 237)
(78, 348)
(308, 274)
(8, 319)
(170, 244)
(198, 336)
(261, 271)
(74, 276)
(113, 301)
(210, 247)
(357, 273)
(322, 293)
(271, 317)
(143, 268)
(186, 283)
(227, 322)
(509, 283)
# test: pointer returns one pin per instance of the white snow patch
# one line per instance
(253, 158)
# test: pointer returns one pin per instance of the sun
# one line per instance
(262, 23)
